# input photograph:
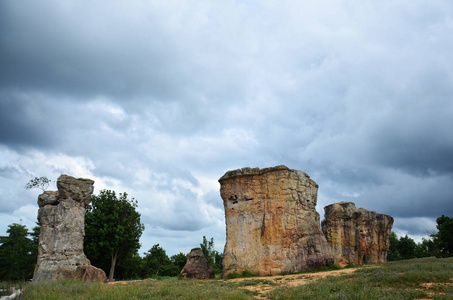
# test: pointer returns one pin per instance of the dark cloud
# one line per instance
(159, 100)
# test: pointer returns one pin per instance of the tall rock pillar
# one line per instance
(356, 235)
(62, 217)
(272, 226)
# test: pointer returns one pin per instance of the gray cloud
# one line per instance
(159, 100)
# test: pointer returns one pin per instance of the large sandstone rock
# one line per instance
(272, 226)
(62, 218)
(356, 235)
(197, 267)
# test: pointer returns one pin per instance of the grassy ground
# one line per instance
(412, 279)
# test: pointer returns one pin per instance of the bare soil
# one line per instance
(263, 285)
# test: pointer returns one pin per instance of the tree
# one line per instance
(426, 248)
(39, 183)
(112, 230)
(444, 237)
(157, 263)
(406, 247)
(393, 253)
(17, 255)
(402, 248)
(179, 260)
(214, 258)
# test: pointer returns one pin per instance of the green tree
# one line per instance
(214, 258)
(179, 260)
(406, 247)
(131, 267)
(393, 253)
(112, 230)
(426, 248)
(444, 237)
(157, 263)
(17, 255)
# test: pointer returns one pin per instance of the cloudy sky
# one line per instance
(160, 98)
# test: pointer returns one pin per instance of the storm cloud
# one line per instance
(160, 98)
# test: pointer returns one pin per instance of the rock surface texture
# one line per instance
(272, 226)
(62, 217)
(356, 235)
(197, 267)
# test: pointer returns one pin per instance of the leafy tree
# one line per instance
(131, 267)
(406, 247)
(214, 258)
(17, 254)
(426, 248)
(393, 253)
(444, 237)
(39, 183)
(112, 230)
(179, 260)
(157, 263)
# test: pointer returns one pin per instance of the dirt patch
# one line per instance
(263, 285)
(430, 288)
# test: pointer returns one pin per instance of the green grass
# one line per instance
(152, 289)
(399, 280)
(395, 280)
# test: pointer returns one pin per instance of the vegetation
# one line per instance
(18, 253)
(410, 279)
(156, 262)
(214, 258)
(112, 230)
(439, 244)
(39, 183)
(152, 289)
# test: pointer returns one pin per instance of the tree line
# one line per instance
(439, 244)
(112, 233)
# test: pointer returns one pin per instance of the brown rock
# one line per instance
(357, 235)
(62, 218)
(342, 262)
(90, 273)
(272, 226)
(63, 273)
(197, 267)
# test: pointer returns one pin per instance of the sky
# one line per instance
(159, 99)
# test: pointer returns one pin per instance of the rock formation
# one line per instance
(356, 235)
(197, 267)
(62, 217)
(272, 226)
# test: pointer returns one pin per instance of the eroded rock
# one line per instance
(356, 235)
(90, 274)
(62, 217)
(272, 226)
(197, 267)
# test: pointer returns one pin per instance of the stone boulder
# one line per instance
(272, 226)
(62, 217)
(356, 235)
(90, 274)
(197, 267)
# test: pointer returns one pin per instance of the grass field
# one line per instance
(412, 279)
